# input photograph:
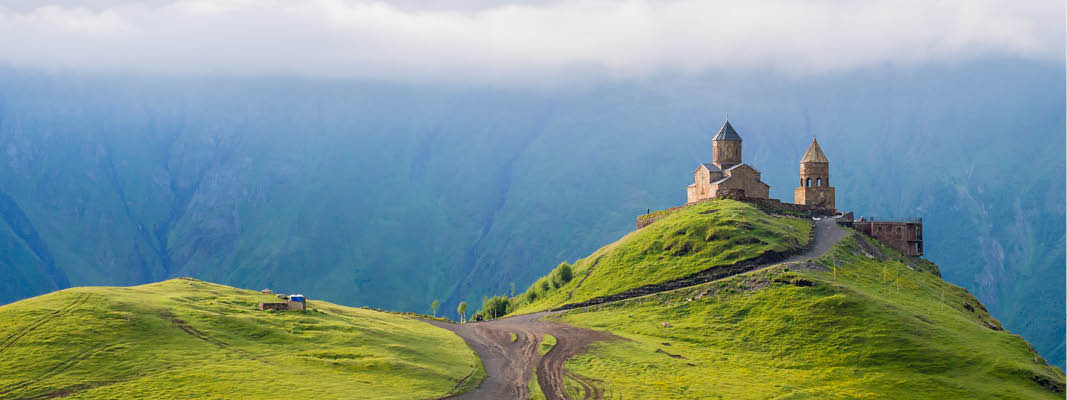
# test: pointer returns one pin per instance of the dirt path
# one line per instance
(509, 365)
(827, 234)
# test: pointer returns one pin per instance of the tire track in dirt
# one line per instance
(19, 334)
(509, 365)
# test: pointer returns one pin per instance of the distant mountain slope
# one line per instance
(186, 338)
(392, 195)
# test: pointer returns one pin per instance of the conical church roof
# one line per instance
(814, 154)
(727, 132)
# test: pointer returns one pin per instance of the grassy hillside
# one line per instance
(690, 240)
(860, 322)
(185, 338)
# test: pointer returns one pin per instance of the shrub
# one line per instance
(565, 272)
(495, 307)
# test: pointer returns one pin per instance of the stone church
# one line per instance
(726, 173)
(727, 176)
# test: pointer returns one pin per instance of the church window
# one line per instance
(818, 181)
(809, 182)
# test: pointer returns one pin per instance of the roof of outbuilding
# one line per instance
(711, 167)
(727, 132)
(742, 165)
(814, 153)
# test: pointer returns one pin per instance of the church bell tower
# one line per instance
(815, 186)
(726, 147)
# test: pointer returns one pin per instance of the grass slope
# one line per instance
(861, 323)
(690, 240)
(185, 338)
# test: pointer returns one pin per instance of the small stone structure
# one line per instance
(294, 302)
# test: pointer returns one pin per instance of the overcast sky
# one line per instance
(516, 41)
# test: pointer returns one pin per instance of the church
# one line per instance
(726, 173)
(727, 176)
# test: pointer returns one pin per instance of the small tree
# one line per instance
(462, 311)
(433, 306)
(495, 307)
(562, 274)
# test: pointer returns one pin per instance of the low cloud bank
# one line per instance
(517, 42)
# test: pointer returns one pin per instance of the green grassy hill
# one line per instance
(689, 240)
(185, 338)
(860, 322)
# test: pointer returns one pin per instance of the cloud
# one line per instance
(517, 42)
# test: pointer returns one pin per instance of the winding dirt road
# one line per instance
(509, 365)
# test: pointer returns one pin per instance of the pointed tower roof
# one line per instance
(727, 132)
(814, 153)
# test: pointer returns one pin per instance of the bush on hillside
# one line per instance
(562, 274)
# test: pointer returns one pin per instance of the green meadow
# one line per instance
(185, 338)
(689, 240)
(862, 322)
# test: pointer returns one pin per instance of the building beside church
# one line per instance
(726, 173)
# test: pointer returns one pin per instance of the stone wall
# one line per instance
(273, 306)
(823, 197)
(287, 305)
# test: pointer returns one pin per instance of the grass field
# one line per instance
(185, 338)
(690, 240)
(849, 327)
(547, 343)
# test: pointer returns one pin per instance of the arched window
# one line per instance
(809, 182)
(818, 181)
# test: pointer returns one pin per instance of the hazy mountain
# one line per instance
(393, 195)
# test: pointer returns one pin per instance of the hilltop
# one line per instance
(185, 338)
(859, 320)
(706, 235)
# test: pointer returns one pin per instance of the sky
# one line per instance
(516, 42)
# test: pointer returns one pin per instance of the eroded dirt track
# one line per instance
(510, 365)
